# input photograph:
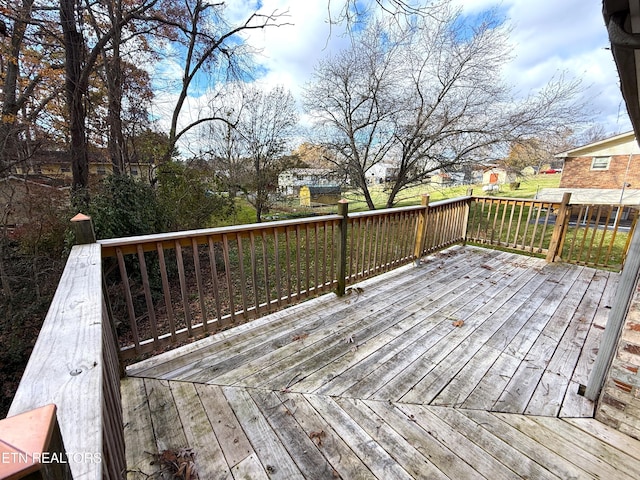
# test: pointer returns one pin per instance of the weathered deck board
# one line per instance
(308, 436)
(382, 384)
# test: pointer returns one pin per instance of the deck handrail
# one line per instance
(74, 366)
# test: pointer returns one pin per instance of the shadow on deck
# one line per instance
(465, 367)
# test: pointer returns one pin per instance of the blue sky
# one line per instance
(549, 38)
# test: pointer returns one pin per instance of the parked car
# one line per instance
(551, 170)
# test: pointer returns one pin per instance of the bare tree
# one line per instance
(255, 150)
(211, 45)
(434, 99)
(352, 99)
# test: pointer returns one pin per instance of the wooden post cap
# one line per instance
(81, 217)
(23, 439)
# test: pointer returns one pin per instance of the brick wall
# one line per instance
(619, 405)
(577, 173)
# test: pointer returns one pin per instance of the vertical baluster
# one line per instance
(254, 273)
(510, 225)
(265, 260)
(526, 226)
(585, 231)
(243, 282)
(594, 233)
(316, 279)
(615, 233)
(604, 234)
(166, 291)
(333, 251)
(183, 288)
(503, 217)
(535, 225)
(376, 264)
(306, 258)
(288, 256)
(276, 249)
(153, 324)
(364, 246)
(227, 270)
(129, 300)
(383, 226)
(516, 235)
(214, 280)
(354, 241)
(201, 295)
(575, 232)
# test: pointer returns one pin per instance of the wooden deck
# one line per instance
(465, 367)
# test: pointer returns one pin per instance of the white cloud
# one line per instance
(549, 38)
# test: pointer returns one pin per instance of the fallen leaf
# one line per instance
(301, 336)
(317, 436)
(458, 323)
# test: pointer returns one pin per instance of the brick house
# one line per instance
(607, 164)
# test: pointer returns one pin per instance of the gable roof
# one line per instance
(623, 144)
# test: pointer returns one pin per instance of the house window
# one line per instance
(65, 169)
(134, 171)
(600, 163)
(102, 171)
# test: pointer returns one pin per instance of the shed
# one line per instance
(312, 196)
(497, 176)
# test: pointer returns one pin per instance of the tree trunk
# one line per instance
(10, 104)
(113, 74)
(75, 92)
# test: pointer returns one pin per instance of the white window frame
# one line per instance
(600, 163)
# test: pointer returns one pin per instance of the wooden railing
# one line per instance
(171, 287)
(518, 224)
(74, 366)
(177, 286)
(591, 235)
(182, 285)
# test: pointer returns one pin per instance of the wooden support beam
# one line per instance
(343, 211)
(421, 234)
(557, 237)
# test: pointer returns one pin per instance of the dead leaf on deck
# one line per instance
(179, 463)
(300, 336)
(458, 323)
(317, 436)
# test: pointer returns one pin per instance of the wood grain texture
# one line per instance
(383, 383)
(65, 367)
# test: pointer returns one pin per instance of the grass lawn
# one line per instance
(245, 213)
(528, 188)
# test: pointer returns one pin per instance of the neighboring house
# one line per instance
(290, 181)
(442, 178)
(613, 163)
(382, 173)
(314, 196)
(56, 165)
(603, 172)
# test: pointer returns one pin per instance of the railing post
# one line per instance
(83, 227)
(421, 234)
(34, 447)
(467, 213)
(557, 238)
(343, 210)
